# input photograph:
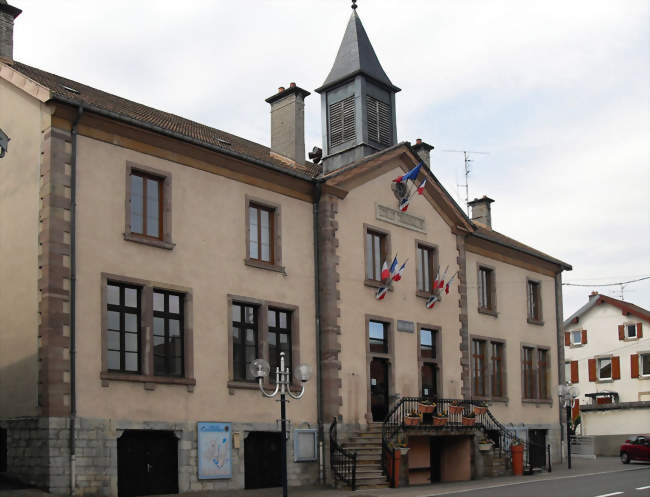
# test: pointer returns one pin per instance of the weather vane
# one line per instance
(354, 4)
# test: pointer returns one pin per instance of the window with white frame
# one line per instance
(576, 337)
(644, 363)
(630, 330)
(604, 367)
(567, 371)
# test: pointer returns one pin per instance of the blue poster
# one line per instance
(214, 450)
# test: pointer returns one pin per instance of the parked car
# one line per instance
(636, 449)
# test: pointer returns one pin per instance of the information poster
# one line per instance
(214, 450)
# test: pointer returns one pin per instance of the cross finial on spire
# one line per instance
(354, 4)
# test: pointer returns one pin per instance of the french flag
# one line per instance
(393, 266)
(441, 282)
(432, 301)
(449, 283)
(384, 271)
(404, 204)
(411, 175)
(398, 275)
(421, 187)
(381, 293)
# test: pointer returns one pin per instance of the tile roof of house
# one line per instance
(596, 299)
(70, 91)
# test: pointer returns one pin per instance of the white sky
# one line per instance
(556, 92)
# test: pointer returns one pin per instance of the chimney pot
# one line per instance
(280, 89)
(424, 151)
(481, 210)
(292, 85)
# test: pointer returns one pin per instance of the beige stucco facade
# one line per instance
(23, 119)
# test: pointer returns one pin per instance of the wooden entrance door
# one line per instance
(379, 388)
(537, 438)
(262, 460)
(147, 463)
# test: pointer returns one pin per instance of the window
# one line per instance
(148, 206)
(123, 313)
(478, 370)
(427, 344)
(426, 268)
(528, 372)
(279, 337)
(260, 233)
(429, 363)
(567, 371)
(543, 374)
(376, 253)
(630, 330)
(604, 368)
(534, 302)
(380, 121)
(644, 362)
(576, 337)
(342, 125)
(378, 337)
(498, 371)
(486, 290)
(244, 339)
(168, 333)
(146, 332)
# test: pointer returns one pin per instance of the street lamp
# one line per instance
(567, 394)
(260, 369)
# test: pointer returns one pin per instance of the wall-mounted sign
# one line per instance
(405, 326)
(305, 444)
(214, 450)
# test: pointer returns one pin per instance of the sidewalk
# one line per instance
(579, 467)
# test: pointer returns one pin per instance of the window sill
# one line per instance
(376, 284)
(576, 345)
(606, 380)
(149, 381)
(423, 295)
(152, 242)
(537, 401)
(250, 385)
(503, 400)
(536, 322)
(264, 265)
(489, 312)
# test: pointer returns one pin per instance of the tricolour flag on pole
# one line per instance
(421, 187)
(431, 301)
(412, 174)
(404, 204)
(441, 282)
(384, 271)
(381, 293)
(450, 282)
(398, 275)
(393, 267)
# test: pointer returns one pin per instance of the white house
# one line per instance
(607, 356)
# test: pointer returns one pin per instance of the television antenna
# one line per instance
(466, 155)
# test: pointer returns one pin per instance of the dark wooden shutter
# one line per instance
(621, 332)
(567, 338)
(342, 121)
(616, 368)
(634, 365)
(380, 121)
(584, 336)
(592, 370)
(639, 330)
(574, 372)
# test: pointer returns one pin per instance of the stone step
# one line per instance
(362, 441)
(364, 449)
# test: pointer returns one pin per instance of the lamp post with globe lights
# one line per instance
(260, 369)
(567, 394)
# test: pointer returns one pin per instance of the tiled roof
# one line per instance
(93, 99)
(486, 233)
(596, 299)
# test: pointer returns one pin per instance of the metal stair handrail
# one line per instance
(342, 461)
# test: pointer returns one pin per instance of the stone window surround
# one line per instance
(488, 359)
(529, 319)
(490, 311)
(387, 248)
(146, 335)
(535, 348)
(262, 339)
(389, 356)
(437, 361)
(166, 177)
(436, 265)
(276, 265)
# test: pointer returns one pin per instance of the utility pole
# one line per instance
(467, 170)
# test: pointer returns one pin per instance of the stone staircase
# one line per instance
(367, 445)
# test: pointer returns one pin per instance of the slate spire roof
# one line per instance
(356, 56)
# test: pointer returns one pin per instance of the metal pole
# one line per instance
(283, 416)
(568, 433)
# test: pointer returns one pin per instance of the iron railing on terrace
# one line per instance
(342, 461)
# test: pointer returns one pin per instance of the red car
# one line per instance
(638, 448)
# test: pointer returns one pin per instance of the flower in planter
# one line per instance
(478, 410)
(454, 408)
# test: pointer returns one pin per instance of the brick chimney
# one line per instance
(288, 122)
(481, 210)
(424, 151)
(7, 15)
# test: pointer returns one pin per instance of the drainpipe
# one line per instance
(73, 286)
(317, 194)
(559, 323)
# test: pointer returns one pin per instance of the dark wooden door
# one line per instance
(262, 460)
(147, 463)
(537, 438)
(378, 388)
(436, 449)
(430, 381)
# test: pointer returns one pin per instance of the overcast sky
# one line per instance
(556, 92)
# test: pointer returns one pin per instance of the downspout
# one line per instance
(73, 287)
(559, 323)
(321, 455)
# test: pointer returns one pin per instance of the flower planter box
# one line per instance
(426, 408)
(411, 421)
(439, 421)
(455, 409)
(480, 410)
(468, 421)
(484, 447)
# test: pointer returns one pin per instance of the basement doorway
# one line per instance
(147, 463)
(262, 460)
(537, 438)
